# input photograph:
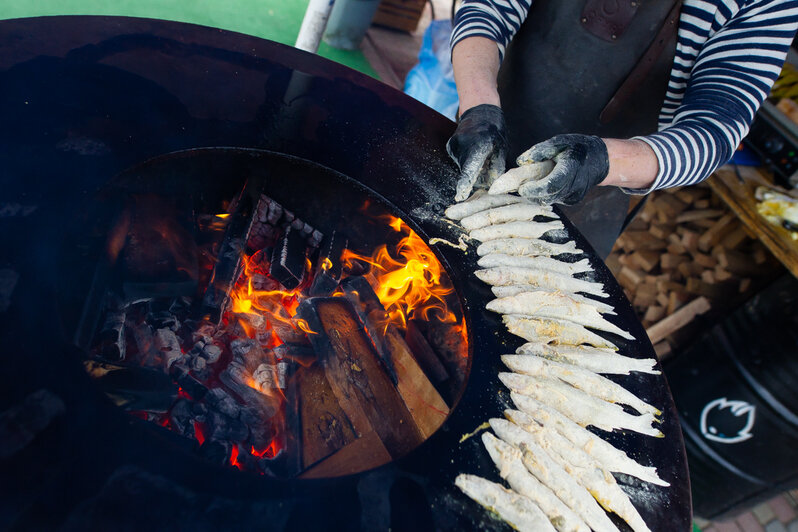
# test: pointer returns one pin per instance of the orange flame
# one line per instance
(412, 285)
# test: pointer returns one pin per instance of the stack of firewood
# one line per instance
(683, 254)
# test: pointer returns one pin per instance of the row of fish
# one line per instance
(559, 473)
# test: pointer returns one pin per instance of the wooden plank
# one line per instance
(366, 452)
(740, 199)
(425, 404)
(357, 376)
(325, 426)
(645, 259)
(677, 320)
(712, 236)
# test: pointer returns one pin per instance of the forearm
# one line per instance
(475, 61)
(633, 164)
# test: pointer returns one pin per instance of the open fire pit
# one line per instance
(282, 345)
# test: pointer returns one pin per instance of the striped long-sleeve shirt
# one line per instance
(728, 55)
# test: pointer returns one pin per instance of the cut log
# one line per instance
(356, 374)
(325, 426)
(677, 320)
(739, 263)
(647, 260)
(698, 214)
(712, 236)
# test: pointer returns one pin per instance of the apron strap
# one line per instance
(666, 36)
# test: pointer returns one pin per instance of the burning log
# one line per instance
(228, 262)
(358, 379)
(328, 265)
(425, 404)
(325, 426)
(181, 418)
(180, 373)
(424, 354)
(288, 259)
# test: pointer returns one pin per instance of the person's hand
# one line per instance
(580, 163)
(479, 147)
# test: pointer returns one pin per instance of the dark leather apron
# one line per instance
(568, 61)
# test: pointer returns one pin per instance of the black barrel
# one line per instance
(736, 390)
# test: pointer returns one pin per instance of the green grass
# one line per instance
(276, 20)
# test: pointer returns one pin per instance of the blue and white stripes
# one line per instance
(728, 54)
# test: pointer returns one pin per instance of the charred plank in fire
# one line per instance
(328, 265)
(133, 387)
(288, 259)
(228, 262)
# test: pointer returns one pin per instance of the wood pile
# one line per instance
(684, 253)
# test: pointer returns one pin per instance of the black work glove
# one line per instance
(580, 163)
(479, 147)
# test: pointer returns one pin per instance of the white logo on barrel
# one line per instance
(727, 421)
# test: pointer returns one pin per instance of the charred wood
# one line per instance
(228, 264)
(328, 265)
(288, 259)
(133, 387)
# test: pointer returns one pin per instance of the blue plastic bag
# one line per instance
(431, 81)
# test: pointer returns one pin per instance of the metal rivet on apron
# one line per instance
(614, 36)
(584, 19)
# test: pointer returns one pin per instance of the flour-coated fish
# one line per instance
(546, 280)
(596, 359)
(515, 177)
(579, 406)
(518, 511)
(527, 246)
(517, 212)
(605, 453)
(553, 331)
(480, 201)
(516, 230)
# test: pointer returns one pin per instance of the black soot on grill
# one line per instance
(283, 320)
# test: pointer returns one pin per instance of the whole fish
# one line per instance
(577, 405)
(516, 230)
(515, 177)
(557, 305)
(587, 381)
(596, 359)
(551, 474)
(527, 246)
(586, 470)
(508, 460)
(553, 331)
(518, 511)
(517, 212)
(480, 201)
(494, 260)
(605, 453)
(506, 275)
(515, 289)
